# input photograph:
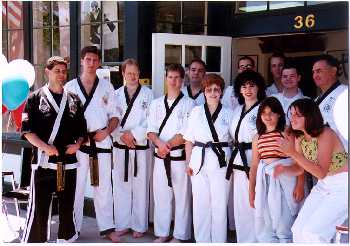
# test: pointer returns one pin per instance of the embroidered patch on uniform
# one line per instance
(105, 99)
(329, 105)
(44, 107)
(225, 121)
(144, 105)
(252, 119)
(25, 117)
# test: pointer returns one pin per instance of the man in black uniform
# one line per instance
(53, 121)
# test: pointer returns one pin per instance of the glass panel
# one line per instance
(252, 6)
(193, 29)
(15, 45)
(4, 14)
(317, 2)
(173, 54)
(193, 12)
(213, 60)
(168, 11)
(91, 12)
(61, 42)
(285, 4)
(111, 42)
(167, 27)
(192, 52)
(42, 45)
(14, 14)
(110, 11)
(91, 35)
(41, 14)
(4, 43)
(40, 78)
(60, 13)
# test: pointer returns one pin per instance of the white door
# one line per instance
(167, 48)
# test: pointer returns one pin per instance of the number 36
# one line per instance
(309, 21)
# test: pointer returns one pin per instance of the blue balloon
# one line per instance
(15, 90)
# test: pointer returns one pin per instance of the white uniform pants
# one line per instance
(324, 209)
(244, 214)
(163, 200)
(210, 196)
(131, 198)
(103, 198)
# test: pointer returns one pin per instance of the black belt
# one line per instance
(126, 157)
(215, 146)
(168, 159)
(241, 147)
(90, 151)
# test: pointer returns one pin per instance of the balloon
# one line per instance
(341, 112)
(3, 65)
(15, 90)
(4, 109)
(17, 116)
(22, 68)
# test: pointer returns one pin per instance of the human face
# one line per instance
(297, 120)
(58, 74)
(90, 63)
(174, 80)
(276, 65)
(269, 118)
(196, 73)
(212, 94)
(323, 74)
(249, 91)
(245, 64)
(290, 78)
(131, 75)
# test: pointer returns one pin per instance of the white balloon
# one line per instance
(3, 65)
(24, 68)
(341, 113)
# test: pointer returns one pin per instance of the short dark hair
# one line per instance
(289, 64)
(277, 54)
(246, 58)
(90, 49)
(55, 60)
(275, 107)
(330, 60)
(253, 77)
(313, 117)
(212, 78)
(197, 60)
(175, 67)
(129, 61)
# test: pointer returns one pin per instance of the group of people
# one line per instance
(188, 150)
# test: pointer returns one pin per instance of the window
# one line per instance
(251, 6)
(102, 26)
(285, 4)
(181, 17)
(51, 34)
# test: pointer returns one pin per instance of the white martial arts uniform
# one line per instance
(272, 89)
(199, 98)
(324, 209)
(229, 99)
(275, 207)
(180, 191)
(209, 187)
(99, 111)
(131, 197)
(326, 107)
(244, 214)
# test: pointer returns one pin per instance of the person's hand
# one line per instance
(72, 148)
(189, 171)
(128, 139)
(286, 145)
(278, 170)
(100, 135)
(50, 150)
(251, 198)
(163, 149)
(298, 193)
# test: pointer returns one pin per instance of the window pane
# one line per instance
(285, 4)
(40, 78)
(15, 45)
(60, 13)
(173, 54)
(91, 35)
(41, 14)
(192, 52)
(61, 41)
(168, 11)
(213, 60)
(193, 12)
(42, 45)
(111, 42)
(110, 11)
(14, 12)
(193, 29)
(252, 6)
(91, 12)
(317, 2)
(4, 15)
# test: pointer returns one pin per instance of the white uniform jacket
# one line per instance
(229, 99)
(199, 98)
